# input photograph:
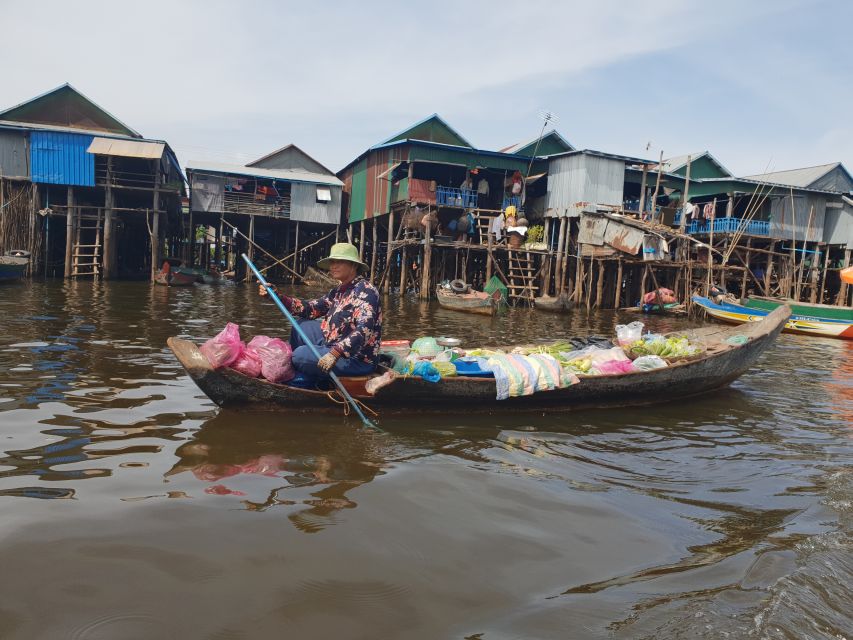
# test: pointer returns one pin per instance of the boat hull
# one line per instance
(475, 302)
(12, 268)
(806, 325)
(175, 278)
(721, 364)
(822, 311)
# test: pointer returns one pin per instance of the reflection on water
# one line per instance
(725, 517)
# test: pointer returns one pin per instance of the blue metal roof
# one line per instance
(62, 158)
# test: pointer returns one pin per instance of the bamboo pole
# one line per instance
(801, 271)
(404, 268)
(768, 271)
(841, 300)
(599, 286)
(361, 241)
(657, 186)
(643, 191)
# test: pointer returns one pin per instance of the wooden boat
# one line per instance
(720, 364)
(174, 276)
(807, 324)
(823, 311)
(471, 302)
(552, 303)
(13, 265)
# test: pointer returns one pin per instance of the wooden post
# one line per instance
(561, 239)
(373, 251)
(109, 241)
(730, 205)
(768, 271)
(841, 300)
(296, 250)
(389, 254)
(579, 278)
(618, 299)
(801, 271)
(404, 270)
(746, 270)
(155, 243)
(589, 283)
(657, 186)
(69, 230)
(155, 223)
(599, 287)
(564, 263)
(642, 193)
(814, 295)
(361, 241)
(251, 250)
(683, 223)
(489, 256)
(643, 282)
(545, 285)
(424, 293)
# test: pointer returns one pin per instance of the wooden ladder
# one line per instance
(522, 278)
(87, 254)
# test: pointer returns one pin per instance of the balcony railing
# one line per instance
(451, 197)
(514, 201)
(726, 225)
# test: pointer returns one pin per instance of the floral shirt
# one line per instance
(352, 319)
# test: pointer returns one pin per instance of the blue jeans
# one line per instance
(305, 361)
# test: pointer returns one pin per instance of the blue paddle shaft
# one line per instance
(305, 340)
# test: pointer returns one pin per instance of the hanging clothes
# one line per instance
(497, 227)
(708, 211)
(483, 187)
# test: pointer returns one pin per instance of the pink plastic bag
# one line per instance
(275, 357)
(614, 367)
(249, 364)
(225, 348)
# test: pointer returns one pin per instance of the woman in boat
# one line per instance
(345, 325)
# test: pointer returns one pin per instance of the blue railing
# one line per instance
(726, 225)
(452, 197)
(514, 201)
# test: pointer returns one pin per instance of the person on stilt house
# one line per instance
(345, 325)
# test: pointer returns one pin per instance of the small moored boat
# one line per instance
(13, 264)
(730, 351)
(471, 302)
(824, 311)
(172, 275)
(798, 323)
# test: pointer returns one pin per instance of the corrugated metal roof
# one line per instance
(435, 117)
(796, 177)
(61, 158)
(671, 165)
(254, 172)
(514, 148)
(127, 148)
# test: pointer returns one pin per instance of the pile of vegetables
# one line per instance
(673, 347)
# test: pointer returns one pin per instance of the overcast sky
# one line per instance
(762, 85)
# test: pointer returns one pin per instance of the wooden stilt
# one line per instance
(296, 250)
(823, 275)
(387, 284)
(425, 292)
(361, 241)
(373, 251)
(599, 287)
(561, 239)
(69, 229)
(404, 269)
(489, 257)
(618, 298)
(841, 299)
(589, 284)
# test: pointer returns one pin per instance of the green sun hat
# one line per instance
(342, 251)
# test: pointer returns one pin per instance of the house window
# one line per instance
(324, 194)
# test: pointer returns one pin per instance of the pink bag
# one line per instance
(275, 356)
(249, 364)
(225, 348)
(614, 367)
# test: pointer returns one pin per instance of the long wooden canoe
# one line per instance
(722, 363)
(823, 311)
(805, 324)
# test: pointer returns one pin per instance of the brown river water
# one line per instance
(132, 507)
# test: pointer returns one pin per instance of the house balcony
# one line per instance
(451, 197)
(726, 225)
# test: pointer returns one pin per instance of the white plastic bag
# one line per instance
(629, 333)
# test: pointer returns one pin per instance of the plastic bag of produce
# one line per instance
(426, 370)
(647, 363)
(274, 355)
(628, 333)
(225, 348)
(614, 367)
(249, 364)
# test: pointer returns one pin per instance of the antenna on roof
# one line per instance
(547, 117)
